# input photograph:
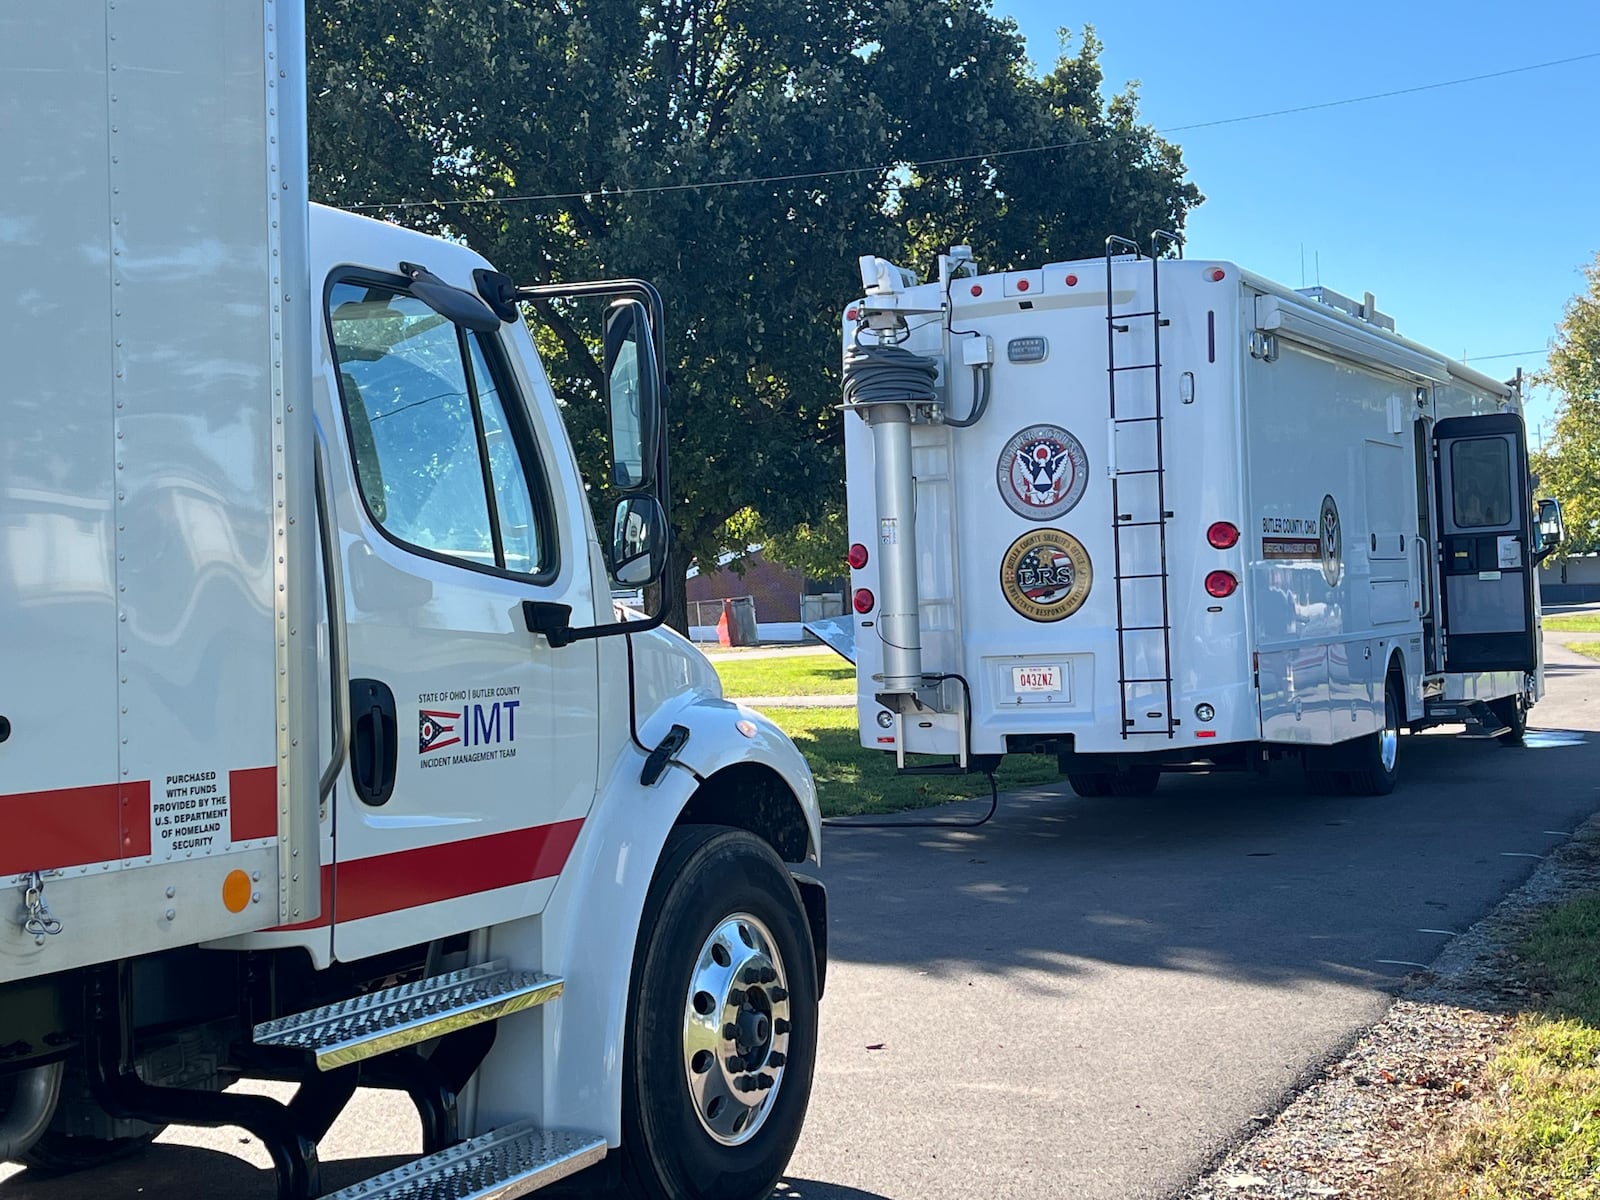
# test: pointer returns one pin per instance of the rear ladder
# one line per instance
(1139, 503)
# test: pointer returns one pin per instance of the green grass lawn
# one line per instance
(821, 674)
(1589, 649)
(1536, 1133)
(851, 779)
(1573, 623)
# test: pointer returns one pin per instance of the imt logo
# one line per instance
(490, 724)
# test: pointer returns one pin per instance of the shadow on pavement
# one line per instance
(1235, 875)
(188, 1171)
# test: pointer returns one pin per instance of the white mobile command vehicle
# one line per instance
(1151, 514)
(324, 755)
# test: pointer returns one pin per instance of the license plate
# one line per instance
(1036, 679)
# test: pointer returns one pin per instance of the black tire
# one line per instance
(708, 877)
(1089, 785)
(1513, 712)
(58, 1154)
(1375, 758)
(1139, 781)
(1327, 783)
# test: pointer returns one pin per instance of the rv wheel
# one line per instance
(1376, 757)
(1088, 785)
(722, 1023)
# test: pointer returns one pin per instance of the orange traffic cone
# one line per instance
(725, 624)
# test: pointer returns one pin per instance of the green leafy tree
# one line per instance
(741, 154)
(1569, 465)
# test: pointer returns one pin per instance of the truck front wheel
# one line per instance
(722, 1022)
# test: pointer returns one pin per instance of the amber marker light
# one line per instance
(236, 891)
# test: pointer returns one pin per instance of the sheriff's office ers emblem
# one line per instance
(1042, 472)
(1046, 575)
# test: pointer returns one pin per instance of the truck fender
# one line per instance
(563, 1063)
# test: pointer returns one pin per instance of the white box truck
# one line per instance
(324, 754)
(1154, 514)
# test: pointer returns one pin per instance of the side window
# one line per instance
(437, 458)
(1480, 482)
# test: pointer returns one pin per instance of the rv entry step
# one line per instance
(510, 1161)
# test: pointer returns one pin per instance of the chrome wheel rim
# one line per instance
(1389, 739)
(736, 1023)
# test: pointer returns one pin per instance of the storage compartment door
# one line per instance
(1485, 529)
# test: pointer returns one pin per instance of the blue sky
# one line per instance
(1468, 210)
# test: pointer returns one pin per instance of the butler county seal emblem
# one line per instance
(1046, 575)
(1042, 472)
(1332, 541)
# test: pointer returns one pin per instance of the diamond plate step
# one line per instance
(351, 1030)
(511, 1161)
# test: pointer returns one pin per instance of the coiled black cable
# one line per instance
(886, 374)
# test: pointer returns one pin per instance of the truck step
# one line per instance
(351, 1030)
(510, 1161)
(1482, 724)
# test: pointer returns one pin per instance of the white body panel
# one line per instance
(144, 559)
(1327, 407)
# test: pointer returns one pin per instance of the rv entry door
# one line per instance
(1485, 535)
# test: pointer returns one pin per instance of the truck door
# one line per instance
(474, 743)
(1485, 532)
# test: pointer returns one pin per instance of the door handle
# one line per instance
(375, 750)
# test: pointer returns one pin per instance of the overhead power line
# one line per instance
(1514, 354)
(797, 177)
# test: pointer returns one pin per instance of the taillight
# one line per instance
(857, 558)
(864, 601)
(1223, 535)
(1221, 583)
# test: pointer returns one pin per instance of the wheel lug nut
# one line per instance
(765, 1081)
(777, 994)
(768, 975)
(736, 1064)
(776, 1059)
(745, 1083)
(730, 1032)
(751, 975)
(736, 997)
(779, 1025)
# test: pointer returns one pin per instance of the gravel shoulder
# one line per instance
(1374, 1109)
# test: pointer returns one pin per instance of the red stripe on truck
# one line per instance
(70, 827)
(369, 887)
(254, 807)
(387, 883)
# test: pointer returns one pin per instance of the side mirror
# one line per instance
(1550, 529)
(638, 554)
(632, 396)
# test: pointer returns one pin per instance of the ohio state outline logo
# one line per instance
(1042, 473)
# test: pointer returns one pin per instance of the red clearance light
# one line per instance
(857, 558)
(864, 600)
(1205, 733)
(1216, 274)
(977, 289)
(1221, 583)
(1022, 285)
(1072, 281)
(849, 314)
(1223, 535)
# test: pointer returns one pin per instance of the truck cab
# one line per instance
(325, 754)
